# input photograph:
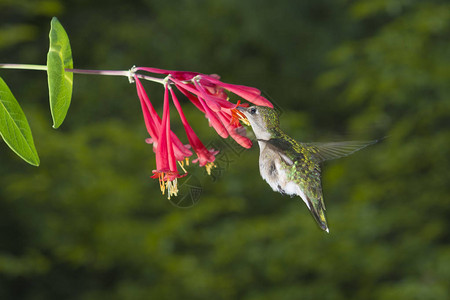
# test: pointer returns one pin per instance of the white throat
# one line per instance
(260, 133)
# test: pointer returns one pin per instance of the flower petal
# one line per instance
(181, 75)
(153, 124)
(233, 130)
(250, 94)
(204, 156)
(148, 118)
(210, 115)
(214, 120)
(191, 97)
(216, 103)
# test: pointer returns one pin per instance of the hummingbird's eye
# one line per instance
(252, 110)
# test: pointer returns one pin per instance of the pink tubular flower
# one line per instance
(205, 157)
(165, 143)
(250, 94)
(209, 95)
(185, 79)
(166, 165)
(153, 124)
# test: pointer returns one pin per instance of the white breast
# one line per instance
(289, 187)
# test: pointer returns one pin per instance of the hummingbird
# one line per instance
(291, 167)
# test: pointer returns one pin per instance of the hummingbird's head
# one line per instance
(264, 120)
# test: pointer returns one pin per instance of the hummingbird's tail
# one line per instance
(318, 212)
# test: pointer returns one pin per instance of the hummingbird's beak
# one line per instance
(242, 110)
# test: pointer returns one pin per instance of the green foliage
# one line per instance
(60, 82)
(14, 128)
(90, 224)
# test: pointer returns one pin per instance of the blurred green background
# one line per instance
(89, 223)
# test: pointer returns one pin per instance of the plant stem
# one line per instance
(23, 67)
(82, 71)
(99, 72)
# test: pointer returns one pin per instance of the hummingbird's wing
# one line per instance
(333, 150)
(282, 147)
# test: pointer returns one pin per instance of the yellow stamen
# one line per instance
(162, 184)
(172, 188)
(238, 115)
(170, 185)
(242, 117)
(209, 166)
(181, 163)
(245, 121)
(187, 161)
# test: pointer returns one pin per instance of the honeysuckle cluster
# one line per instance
(209, 95)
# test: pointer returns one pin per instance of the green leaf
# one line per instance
(60, 82)
(14, 127)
